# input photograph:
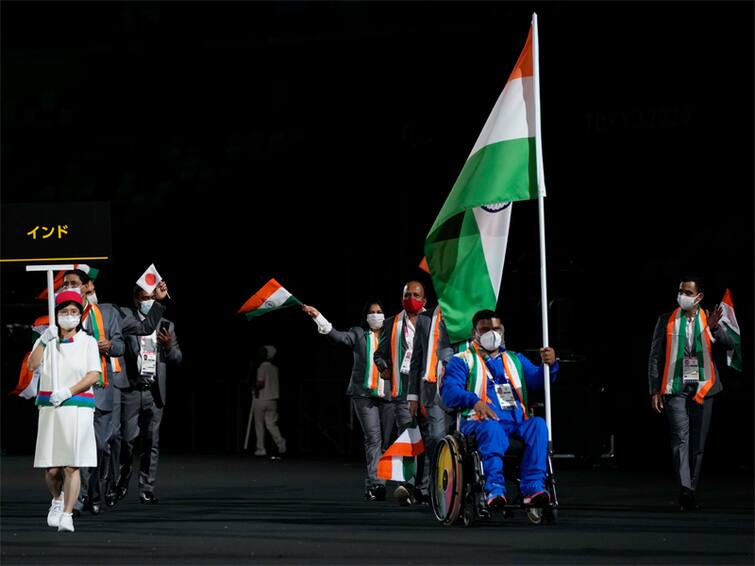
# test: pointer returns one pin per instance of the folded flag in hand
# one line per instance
(271, 297)
(729, 320)
(399, 462)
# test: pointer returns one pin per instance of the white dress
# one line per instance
(65, 435)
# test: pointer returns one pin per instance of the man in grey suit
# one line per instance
(399, 359)
(684, 380)
(143, 401)
(103, 321)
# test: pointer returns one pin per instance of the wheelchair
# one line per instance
(457, 484)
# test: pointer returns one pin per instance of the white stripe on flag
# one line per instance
(397, 468)
(513, 116)
(494, 235)
(279, 297)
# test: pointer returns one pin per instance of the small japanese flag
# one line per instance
(149, 279)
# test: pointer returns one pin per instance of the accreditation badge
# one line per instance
(691, 371)
(149, 363)
(505, 396)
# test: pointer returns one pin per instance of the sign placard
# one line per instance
(56, 232)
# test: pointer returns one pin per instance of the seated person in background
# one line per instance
(489, 384)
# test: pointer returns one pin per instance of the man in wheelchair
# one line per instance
(489, 385)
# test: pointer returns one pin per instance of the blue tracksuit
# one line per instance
(493, 436)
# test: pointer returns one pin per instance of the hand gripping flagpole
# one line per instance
(54, 372)
(541, 217)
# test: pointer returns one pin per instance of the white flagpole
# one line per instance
(51, 311)
(541, 216)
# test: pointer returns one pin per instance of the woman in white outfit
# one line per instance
(65, 435)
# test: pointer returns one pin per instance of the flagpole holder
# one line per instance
(51, 309)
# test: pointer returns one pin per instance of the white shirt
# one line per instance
(268, 374)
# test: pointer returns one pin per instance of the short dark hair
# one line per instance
(483, 315)
(83, 275)
(694, 279)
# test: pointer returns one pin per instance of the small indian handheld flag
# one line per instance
(729, 320)
(399, 462)
(271, 297)
(149, 279)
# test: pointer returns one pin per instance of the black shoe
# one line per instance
(688, 502)
(419, 497)
(403, 495)
(75, 513)
(149, 498)
(84, 499)
(121, 491)
(95, 508)
(111, 499)
(375, 493)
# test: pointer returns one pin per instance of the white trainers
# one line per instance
(282, 446)
(260, 452)
(66, 522)
(56, 509)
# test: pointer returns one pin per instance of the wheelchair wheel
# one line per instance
(550, 515)
(447, 482)
(535, 515)
(468, 513)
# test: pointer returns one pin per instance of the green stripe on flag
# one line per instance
(408, 463)
(501, 172)
(290, 302)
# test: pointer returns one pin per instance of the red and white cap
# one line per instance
(69, 295)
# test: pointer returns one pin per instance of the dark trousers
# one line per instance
(688, 423)
(95, 482)
(376, 417)
(140, 421)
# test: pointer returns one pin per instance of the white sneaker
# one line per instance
(282, 446)
(66, 522)
(260, 452)
(53, 515)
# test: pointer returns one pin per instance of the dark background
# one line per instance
(316, 142)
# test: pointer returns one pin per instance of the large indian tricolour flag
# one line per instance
(271, 297)
(729, 320)
(466, 245)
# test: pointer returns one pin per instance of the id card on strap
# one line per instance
(149, 363)
(691, 371)
(505, 396)
(406, 364)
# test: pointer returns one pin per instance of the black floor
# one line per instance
(221, 510)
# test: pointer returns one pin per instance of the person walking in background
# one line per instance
(65, 435)
(267, 393)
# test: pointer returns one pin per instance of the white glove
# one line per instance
(48, 336)
(59, 396)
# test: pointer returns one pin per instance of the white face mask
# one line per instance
(491, 341)
(686, 302)
(144, 306)
(92, 298)
(69, 322)
(375, 320)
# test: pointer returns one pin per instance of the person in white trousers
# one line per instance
(266, 394)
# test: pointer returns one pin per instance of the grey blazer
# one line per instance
(410, 386)
(103, 396)
(172, 355)
(356, 339)
(428, 392)
(132, 326)
(657, 358)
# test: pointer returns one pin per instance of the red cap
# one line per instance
(69, 295)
